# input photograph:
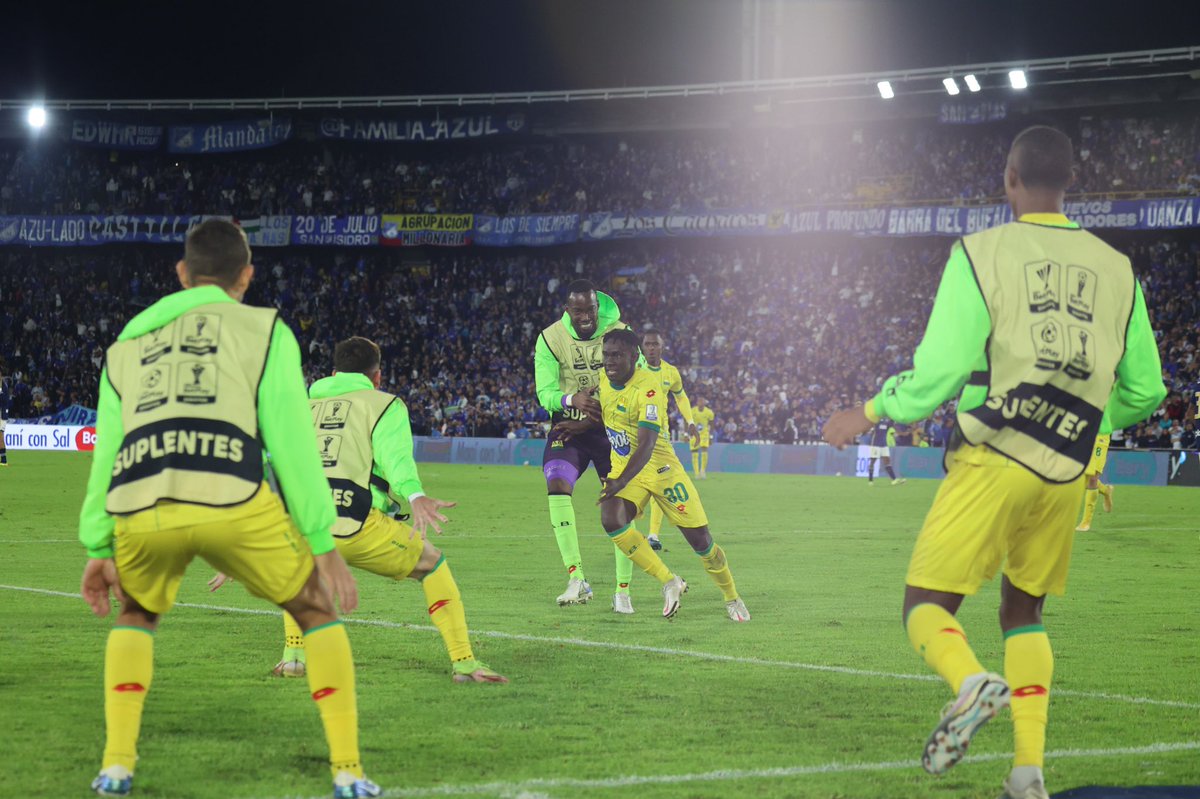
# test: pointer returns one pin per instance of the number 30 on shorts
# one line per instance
(676, 494)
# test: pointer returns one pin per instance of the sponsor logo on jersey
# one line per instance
(619, 441)
(651, 393)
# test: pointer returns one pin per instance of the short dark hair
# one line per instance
(217, 250)
(653, 333)
(580, 286)
(625, 337)
(1044, 158)
(357, 354)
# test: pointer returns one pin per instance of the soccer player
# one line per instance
(702, 415)
(672, 383)
(645, 468)
(1041, 325)
(191, 391)
(881, 438)
(1095, 487)
(5, 405)
(566, 365)
(366, 447)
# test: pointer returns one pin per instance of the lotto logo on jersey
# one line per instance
(650, 394)
(618, 441)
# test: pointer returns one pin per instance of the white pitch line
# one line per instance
(652, 650)
(523, 787)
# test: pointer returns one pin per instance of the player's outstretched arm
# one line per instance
(646, 440)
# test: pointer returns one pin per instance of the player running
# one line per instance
(702, 415)
(1095, 487)
(192, 390)
(1042, 326)
(672, 383)
(566, 365)
(880, 449)
(366, 447)
(646, 468)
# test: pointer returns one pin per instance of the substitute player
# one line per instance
(672, 383)
(1042, 326)
(702, 415)
(566, 365)
(881, 438)
(645, 468)
(191, 391)
(1095, 487)
(366, 447)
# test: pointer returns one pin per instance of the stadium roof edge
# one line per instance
(1058, 64)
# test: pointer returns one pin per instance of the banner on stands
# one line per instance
(116, 135)
(78, 231)
(438, 230)
(606, 225)
(267, 231)
(477, 126)
(69, 438)
(229, 137)
(534, 230)
(340, 231)
(972, 113)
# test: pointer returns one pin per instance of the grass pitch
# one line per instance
(819, 696)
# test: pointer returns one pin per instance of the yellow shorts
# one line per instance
(383, 546)
(672, 490)
(255, 543)
(1099, 455)
(990, 510)
(704, 441)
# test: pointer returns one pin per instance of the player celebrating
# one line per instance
(702, 415)
(1095, 487)
(1029, 408)
(191, 391)
(366, 447)
(646, 468)
(881, 449)
(672, 383)
(566, 365)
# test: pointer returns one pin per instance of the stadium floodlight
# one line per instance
(951, 86)
(972, 82)
(36, 117)
(1017, 79)
(885, 89)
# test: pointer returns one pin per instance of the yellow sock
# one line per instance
(634, 544)
(703, 462)
(656, 517)
(128, 670)
(696, 462)
(1028, 667)
(446, 610)
(939, 638)
(293, 639)
(331, 680)
(718, 569)
(1089, 506)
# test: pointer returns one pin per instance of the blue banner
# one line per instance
(340, 231)
(968, 113)
(79, 231)
(534, 230)
(116, 135)
(229, 137)
(477, 126)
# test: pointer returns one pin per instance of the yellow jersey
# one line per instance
(703, 418)
(641, 402)
(672, 383)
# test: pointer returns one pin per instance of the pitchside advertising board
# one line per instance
(66, 438)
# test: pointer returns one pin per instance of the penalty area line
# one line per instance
(651, 650)
(532, 787)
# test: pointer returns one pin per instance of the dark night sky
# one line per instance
(250, 49)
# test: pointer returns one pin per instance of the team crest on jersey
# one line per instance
(652, 412)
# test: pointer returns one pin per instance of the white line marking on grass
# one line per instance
(523, 788)
(40, 541)
(652, 650)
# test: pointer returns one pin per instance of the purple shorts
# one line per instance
(567, 460)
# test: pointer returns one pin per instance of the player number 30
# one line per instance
(676, 494)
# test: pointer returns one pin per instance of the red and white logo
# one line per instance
(85, 439)
(651, 393)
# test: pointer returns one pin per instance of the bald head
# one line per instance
(1043, 158)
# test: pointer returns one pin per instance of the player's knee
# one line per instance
(557, 485)
(698, 538)
(134, 615)
(613, 516)
(429, 558)
(1018, 608)
(313, 606)
(1093, 481)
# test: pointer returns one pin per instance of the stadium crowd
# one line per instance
(774, 334)
(739, 169)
